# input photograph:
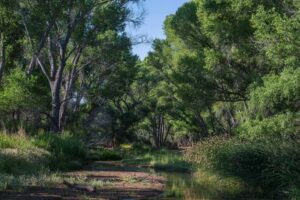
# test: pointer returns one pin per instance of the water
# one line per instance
(184, 187)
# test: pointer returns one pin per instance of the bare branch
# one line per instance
(43, 70)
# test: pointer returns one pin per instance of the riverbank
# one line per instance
(100, 180)
(258, 168)
(59, 167)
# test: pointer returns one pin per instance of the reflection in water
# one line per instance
(184, 187)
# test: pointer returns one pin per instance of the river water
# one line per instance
(182, 186)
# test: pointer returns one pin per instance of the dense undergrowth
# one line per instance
(234, 167)
(159, 160)
(36, 160)
(266, 165)
(143, 156)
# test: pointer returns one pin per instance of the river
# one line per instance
(182, 186)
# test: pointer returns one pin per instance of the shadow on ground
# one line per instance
(119, 183)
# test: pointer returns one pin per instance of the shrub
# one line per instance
(272, 164)
(25, 161)
(15, 141)
(67, 151)
(279, 126)
(104, 155)
(16, 92)
(19, 155)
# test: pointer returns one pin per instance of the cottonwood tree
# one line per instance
(61, 35)
(211, 64)
(107, 89)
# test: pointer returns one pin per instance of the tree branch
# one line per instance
(43, 70)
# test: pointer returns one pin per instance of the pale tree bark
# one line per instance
(61, 78)
(41, 42)
(56, 74)
(56, 88)
(68, 85)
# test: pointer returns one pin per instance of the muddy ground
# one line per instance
(106, 180)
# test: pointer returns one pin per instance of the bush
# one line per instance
(279, 126)
(67, 151)
(270, 164)
(16, 92)
(19, 155)
(15, 141)
(29, 161)
(159, 160)
(104, 155)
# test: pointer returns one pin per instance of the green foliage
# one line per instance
(16, 92)
(23, 161)
(18, 182)
(227, 187)
(19, 155)
(22, 155)
(226, 67)
(278, 126)
(278, 93)
(268, 163)
(276, 34)
(67, 151)
(159, 160)
(14, 141)
(104, 154)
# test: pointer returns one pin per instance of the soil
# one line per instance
(121, 182)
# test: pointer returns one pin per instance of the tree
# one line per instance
(62, 40)
(11, 35)
(16, 95)
(276, 35)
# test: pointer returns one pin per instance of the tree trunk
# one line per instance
(160, 131)
(2, 62)
(66, 98)
(72, 75)
(55, 95)
(63, 108)
(202, 125)
(212, 119)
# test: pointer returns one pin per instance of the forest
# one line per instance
(212, 112)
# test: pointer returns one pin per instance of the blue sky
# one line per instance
(152, 27)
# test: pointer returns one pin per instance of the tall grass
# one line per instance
(30, 160)
(57, 152)
(17, 183)
(67, 151)
(15, 141)
(270, 164)
(19, 155)
(160, 160)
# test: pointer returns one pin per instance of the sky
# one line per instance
(155, 13)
